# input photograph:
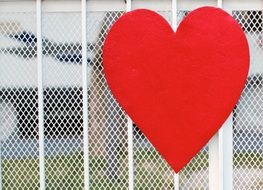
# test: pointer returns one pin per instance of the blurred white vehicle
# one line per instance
(62, 70)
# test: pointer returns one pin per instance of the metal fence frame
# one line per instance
(220, 146)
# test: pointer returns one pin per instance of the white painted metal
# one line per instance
(214, 154)
(17, 6)
(243, 5)
(174, 26)
(164, 5)
(220, 3)
(220, 158)
(130, 132)
(214, 163)
(130, 154)
(191, 5)
(220, 147)
(85, 93)
(61, 6)
(119, 5)
(128, 5)
(221, 153)
(174, 14)
(226, 154)
(40, 97)
(176, 181)
(106, 5)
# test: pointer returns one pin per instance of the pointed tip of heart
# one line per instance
(176, 165)
(177, 168)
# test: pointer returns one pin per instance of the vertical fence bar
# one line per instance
(174, 26)
(40, 97)
(214, 163)
(220, 158)
(128, 5)
(226, 154)
(130, 132)
(215, 153)
(174, 15)
(130, 154)
(220, 153)
(220, 4)
(85, 93)
(176, 181)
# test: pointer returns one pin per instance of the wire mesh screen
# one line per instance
(248, 117)
(108, 136)
(62, 100)
(18, 101)
(107, 121)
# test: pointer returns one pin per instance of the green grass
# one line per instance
(248, 160)
(67, 171)
(63, 171)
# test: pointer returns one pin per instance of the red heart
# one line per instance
(179, 88)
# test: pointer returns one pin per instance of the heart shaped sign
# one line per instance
(179, 88)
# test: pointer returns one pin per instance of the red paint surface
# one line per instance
(179, 88)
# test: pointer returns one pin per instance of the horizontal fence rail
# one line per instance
(61, 128)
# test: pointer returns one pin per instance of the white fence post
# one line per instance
(130, 153)
(214, 176)
(40, 97)
(226, 154)
(220, 158)
(174, 26)
(220, 4)
(85, 93)
(220, 153)
(174, 15)
(130, 133)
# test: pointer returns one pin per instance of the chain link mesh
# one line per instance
(248, 117)
(63, 120)
(63, 116)
(18, 102)
(107, 121)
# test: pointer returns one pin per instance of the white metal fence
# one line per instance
(60, 127)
